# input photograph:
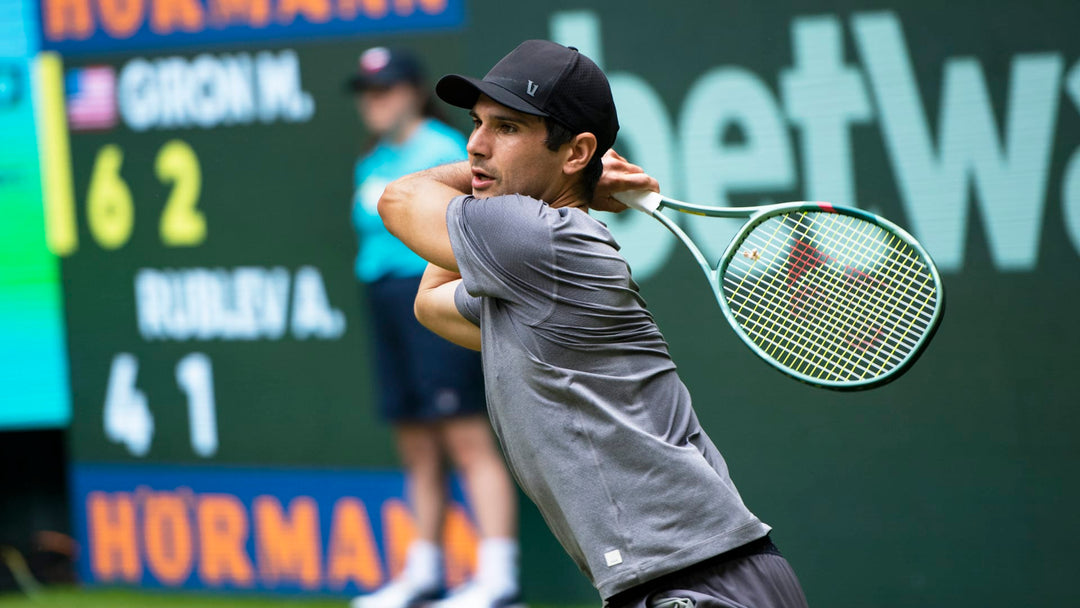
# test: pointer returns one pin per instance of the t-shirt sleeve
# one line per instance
(467, 305)
(503, 247)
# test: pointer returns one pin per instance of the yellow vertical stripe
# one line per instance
(54, 152)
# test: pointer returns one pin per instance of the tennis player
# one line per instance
(592, 415)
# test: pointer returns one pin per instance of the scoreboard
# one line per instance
(212, 265)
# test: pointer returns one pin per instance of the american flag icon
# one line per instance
(91, 98)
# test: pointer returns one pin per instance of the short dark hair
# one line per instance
(559, 135)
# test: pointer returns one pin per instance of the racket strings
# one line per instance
(798, 260)
(870, 300)
(804, 345)
(842, 321)
(913, 308)
(873, 302)
(829, 295)
(763, 328)
(799, 348)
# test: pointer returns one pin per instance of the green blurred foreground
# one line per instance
(77, 598)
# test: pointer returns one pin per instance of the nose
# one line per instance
(478, 143)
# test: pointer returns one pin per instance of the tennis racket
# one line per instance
(833, 296)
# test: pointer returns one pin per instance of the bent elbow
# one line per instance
(390, 203)
(421, 310)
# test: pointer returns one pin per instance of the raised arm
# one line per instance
(436, 309)
(619, 175)
(413, 209)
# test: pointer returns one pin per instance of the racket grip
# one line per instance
(645, 201)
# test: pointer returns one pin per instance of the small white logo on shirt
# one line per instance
(613, 558)
(531, 88)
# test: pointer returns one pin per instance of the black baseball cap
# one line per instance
(380, 67)
(542, 78)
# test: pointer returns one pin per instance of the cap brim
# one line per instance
(363, 82)
(463, 91)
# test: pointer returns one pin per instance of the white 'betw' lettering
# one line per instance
(1070, 187)
(822, 96)
(1010, 183)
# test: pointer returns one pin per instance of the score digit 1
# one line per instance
(127, 416)
(195, 377)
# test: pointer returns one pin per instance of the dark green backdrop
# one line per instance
(953, 486)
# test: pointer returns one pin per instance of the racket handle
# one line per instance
(645, 201)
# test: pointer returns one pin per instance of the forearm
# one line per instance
(436, 276)
(436, 309)
(454, 175)
(413, 209)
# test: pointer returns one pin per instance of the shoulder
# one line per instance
(377, 154)
(527, 207)
(524, 222)
(429, 147)
(512, 221)
(371, 161)
(440, 138)
(506, 207)
(442, 131)
(503, 245)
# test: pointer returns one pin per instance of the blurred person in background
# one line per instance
(430, 390)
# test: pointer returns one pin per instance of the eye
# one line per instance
(507, 128)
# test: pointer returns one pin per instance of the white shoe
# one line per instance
(398, 594)
(474, 595)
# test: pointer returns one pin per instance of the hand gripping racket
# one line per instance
(833, 296)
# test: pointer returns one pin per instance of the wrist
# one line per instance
(454, 175)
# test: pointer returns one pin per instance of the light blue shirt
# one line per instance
(381, 254)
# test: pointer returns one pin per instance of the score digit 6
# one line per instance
(110, 208)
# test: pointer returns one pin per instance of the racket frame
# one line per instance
(652, 203)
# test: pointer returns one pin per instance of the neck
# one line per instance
(405, 130)
(575, 203)
(568, 196)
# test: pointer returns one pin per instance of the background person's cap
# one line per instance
(381, 67)
(544, 79)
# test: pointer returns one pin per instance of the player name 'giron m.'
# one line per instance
(209, 91)
(243, 303)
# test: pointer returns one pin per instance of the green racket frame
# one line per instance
(652, 203)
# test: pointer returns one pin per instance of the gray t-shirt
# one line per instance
(592, 416)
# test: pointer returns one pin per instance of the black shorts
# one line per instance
(420, 376)
(755, 575)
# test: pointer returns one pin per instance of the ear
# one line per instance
(579, 152)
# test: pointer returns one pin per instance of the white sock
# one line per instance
(497, 564)
(423, 564)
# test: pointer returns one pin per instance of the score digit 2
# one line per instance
(110, 207)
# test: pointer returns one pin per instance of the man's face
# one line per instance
(508, 155)
(385, 109)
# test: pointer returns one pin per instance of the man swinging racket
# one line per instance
(593, 418)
